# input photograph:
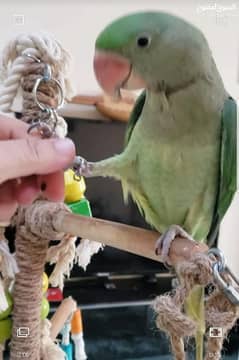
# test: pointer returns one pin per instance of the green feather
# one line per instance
(228, 166)
(135, 114)
(117, 34)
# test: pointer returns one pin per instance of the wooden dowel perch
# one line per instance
(124, 237)
(67, 307)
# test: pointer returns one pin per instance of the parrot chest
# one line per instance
(177, 173)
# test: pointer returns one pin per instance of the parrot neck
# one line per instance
(188, 110)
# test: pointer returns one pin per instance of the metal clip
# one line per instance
(81, 167)
(219, 269)
(47, 73)
(47, 77)
(219, 256)
(43, 128)
(75, 168)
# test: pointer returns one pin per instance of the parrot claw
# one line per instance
(81, 167)
(163, 244)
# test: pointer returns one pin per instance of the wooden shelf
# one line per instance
(87, 112)
(100, 107)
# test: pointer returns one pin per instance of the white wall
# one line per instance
(76, 24)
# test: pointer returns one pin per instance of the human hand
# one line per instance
(29, 165)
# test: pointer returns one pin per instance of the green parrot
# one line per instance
(179, 159)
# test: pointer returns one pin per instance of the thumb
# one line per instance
(32, 156)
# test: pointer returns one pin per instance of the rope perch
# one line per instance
(220, 312)
(31, 250)
(189, 258)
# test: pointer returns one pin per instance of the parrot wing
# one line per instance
(134, 116)
(136, 191)
(228, 166)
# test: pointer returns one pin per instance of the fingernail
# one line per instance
(64, 146)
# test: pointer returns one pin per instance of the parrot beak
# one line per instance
(114, 72)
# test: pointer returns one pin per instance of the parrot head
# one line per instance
(149, 50)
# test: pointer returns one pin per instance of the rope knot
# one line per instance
(197, 271)
(170, 318)
(36, 220)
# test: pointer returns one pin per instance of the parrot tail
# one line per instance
(194, 307)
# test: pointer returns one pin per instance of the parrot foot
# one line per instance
(82, 167)
(163, 244)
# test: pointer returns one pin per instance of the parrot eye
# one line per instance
(143, 41)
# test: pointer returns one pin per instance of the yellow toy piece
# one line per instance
(45, 283)
(74, 190)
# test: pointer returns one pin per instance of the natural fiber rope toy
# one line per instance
(36, 65)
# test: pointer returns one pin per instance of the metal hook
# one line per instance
(77, 177)
(43, 129)
(75, 166)
(47, 72)
(219, 269)
(61, 93)
(229, 290)
(219, 256)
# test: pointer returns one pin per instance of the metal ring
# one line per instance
(77, 177)
(33, 125)
(220, 258)
(224, 285)
(43, 129)
(42, 106)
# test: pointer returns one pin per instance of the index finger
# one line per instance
(11, 128)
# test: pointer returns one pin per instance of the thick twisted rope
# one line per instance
(33, 236)
(15, 63)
